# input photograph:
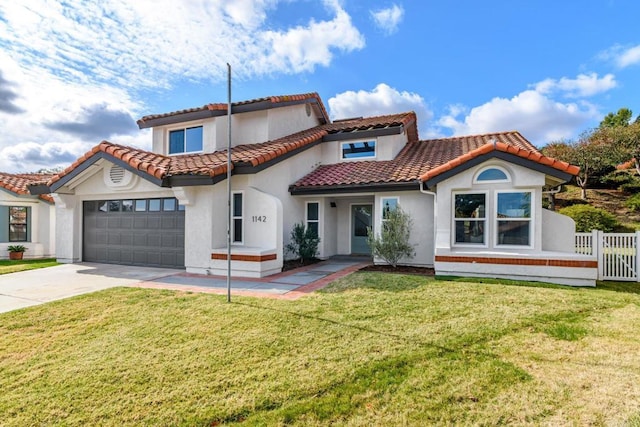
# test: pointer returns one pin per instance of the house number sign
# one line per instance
(259, 218)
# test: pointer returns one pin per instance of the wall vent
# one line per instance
(116, 174)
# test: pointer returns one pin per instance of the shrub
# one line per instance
(633, 202)
(304, 242)
(393, 241)
(631, 187)
(617, 178)
(589, 218)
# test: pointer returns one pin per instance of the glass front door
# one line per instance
(361, 220)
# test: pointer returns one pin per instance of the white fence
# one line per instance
(617, 254)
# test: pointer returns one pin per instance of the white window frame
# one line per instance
(492, 181)
(487, 220)
(495, 219)
(306, 214)
(235, 217)
(184, 128)
(382, 201)
(346, 159)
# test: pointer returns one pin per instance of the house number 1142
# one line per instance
(259, 218)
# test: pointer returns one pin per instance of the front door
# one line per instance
(361, 220)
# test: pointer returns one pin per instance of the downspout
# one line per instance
(435, 216)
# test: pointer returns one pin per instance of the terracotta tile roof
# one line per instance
(423, 160)
(223, 106)
(151, 163)
(359, 124)
(207, 164)
(519, 149)
(19, 183)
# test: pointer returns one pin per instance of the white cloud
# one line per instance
(382, 100)
(388, 19)
(538, 117)
(583, 85)
(146, 43)
(66, 64)
(302, 48)
(622, 57)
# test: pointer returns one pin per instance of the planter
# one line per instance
(16, 255)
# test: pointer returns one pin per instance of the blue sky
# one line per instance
(76, 72)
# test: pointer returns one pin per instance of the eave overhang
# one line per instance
(354, 188)
(508, 157)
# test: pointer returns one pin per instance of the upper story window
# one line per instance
(358, 150)
(187, 140)
(492, 174)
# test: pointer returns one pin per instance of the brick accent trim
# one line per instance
(250, 258)
(518, 261)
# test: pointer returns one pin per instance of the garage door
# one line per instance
(145, 232)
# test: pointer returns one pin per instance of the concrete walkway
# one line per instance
(288, 285)
(33, 287)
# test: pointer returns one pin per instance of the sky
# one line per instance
(76, 72)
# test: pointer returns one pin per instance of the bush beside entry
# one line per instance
(304, 242)
(392, 243)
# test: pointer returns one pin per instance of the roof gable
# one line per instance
(429, 161)
(532, 159)
(209, 168)
(220, 109)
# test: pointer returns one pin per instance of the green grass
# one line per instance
(372, 349)
(9, 266)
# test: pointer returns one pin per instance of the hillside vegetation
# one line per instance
(611, 200)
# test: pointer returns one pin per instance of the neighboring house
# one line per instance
(476, 201)
(26, 219)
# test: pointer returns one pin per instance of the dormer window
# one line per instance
(358, 150)
(188, 140)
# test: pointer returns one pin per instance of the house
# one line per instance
(476, 201)
(26, 219)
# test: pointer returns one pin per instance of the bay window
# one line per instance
(493, 218)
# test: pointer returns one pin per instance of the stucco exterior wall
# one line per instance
(93, 187)
(420, 208)
(287, 120)
(548, 258)
(40, 226)
(521, 179)
(387, 147)
(558, 232)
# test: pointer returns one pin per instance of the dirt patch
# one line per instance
(401, 269)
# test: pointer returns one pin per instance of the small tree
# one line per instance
(393, 241)
(304, 242)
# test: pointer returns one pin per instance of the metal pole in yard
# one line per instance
(229, 183)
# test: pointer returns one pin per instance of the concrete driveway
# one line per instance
(33, 287)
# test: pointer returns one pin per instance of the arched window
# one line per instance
(492, 174)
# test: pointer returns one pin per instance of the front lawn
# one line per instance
(373, 349)
(9, 266)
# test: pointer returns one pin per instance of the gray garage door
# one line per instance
(145, 232)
